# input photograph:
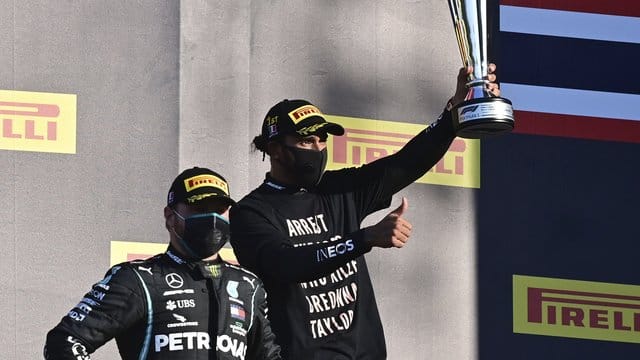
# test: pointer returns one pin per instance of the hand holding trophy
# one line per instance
(481, 114)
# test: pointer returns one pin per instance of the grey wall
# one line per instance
(60, 211)
(165, 85)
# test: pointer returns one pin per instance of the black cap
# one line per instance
(196, 184)
(297, 117)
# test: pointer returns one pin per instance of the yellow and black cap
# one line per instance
(196, 184)
(297, 117)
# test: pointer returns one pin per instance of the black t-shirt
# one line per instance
(307, 247)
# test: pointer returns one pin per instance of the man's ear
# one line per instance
(168, 218)
(274, 149)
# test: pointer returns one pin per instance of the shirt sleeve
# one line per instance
(113, 304)
(374, 184)
(263, 248)
(262, 341)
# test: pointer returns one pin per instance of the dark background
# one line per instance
(553, 206)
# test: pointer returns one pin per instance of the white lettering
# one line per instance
(344, 272)
(90, 301)
(307, 226)
(314, 225)
(321, 218)
(314, 283)
(292, 230)
(176, 341)
(75, 316)
(298, 227)
(226, 344)
(97, 294)
(326, 326)
(161, 341)
(335, 250)
(84, 308)
(332, 299)
(184, 324)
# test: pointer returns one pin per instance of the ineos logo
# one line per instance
(174, 280)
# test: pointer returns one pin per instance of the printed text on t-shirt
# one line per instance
(307, 226)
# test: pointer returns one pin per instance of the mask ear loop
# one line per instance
(182, 241)
(224, 220)
(186, 246)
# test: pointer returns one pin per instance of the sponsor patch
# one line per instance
(199, 181)
(238, 329)
(232, 288)
(180, 304)
(182, 322)
(177, 292)
(174, 280)
(237, 312)
(304, 112)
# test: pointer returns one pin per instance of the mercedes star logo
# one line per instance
(174, 280)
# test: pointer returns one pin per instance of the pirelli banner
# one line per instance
(35, 121)
(576, 309)
(366, 140)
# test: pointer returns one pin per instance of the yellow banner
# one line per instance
(122, 251)
(33, 121)
(366, 140)
(576, 309)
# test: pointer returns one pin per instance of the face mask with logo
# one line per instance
(204, 234)
(308, 165)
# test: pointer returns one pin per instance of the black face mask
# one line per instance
(204, 234)
(308, 165)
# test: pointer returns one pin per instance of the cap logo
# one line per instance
(273, 130)
(198, 197)
(272, 120)
(311, 129)
(199, 181)
(304, 112)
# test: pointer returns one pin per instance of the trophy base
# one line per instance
(483, 117)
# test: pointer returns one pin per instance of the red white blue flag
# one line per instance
(571, 67)
(237, 312)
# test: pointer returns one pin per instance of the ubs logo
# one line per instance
(180, 304)
(174, 280)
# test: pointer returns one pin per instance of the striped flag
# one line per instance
(570, 67)
(237, 312)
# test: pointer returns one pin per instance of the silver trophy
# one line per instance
(481, 114)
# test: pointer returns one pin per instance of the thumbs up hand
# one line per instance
(392, 230)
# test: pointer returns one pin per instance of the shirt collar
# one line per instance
(277, 186)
